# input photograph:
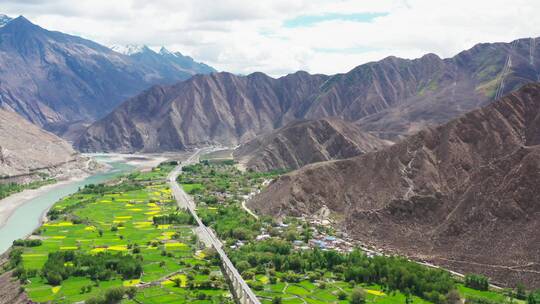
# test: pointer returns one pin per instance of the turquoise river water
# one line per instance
(27, 217)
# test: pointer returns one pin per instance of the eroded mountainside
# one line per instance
(220, 108)
(303, 142)
(54, 79)
(463, 195)
(26, 149)
(389, 98)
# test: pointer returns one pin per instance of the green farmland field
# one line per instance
(116, 221)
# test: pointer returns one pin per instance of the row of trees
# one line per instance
(8, 189)
(181, 218)
(103, 266)
(103, 188)
(477, 282)
(27, 243)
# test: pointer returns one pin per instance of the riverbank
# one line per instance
(139, 161)
(11, 203)
(23, 212)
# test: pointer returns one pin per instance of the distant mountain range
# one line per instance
(304, 142)
(390, 98)
(169, 63)
(463, 195)
(54, 79)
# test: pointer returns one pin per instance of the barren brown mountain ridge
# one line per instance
(463, 195)
(390, 98)
(26, 150)
(303, 142)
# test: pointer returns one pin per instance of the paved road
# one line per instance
(205, 234)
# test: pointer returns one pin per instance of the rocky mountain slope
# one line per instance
(10, 290)
(206, 109)
(303, 142)
(463, 195)
(389, 98)
(26, 149)
(51, 78)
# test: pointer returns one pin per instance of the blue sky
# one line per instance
(282, 36)
(310, 20)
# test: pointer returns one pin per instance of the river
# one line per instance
(27, 217)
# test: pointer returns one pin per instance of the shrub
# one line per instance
(358, 296)
(131, 292)
(114, 295)
(520, 291)
(276, 300)
(53, 278)
(242, 266)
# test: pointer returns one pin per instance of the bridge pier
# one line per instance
(240, 295)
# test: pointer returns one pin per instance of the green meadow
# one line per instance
(120, 236)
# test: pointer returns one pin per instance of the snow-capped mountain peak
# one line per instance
(164, 51)
(130, 49)
(4, 19)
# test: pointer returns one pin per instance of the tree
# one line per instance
(453, 297)
(54, 278)
(243, 266)
(114, 295)
(94, 300)
(342, 295)
(131, 292)
(520, 291)
(408, 298)
(534, 297)
(177, 281)
(478, 282)
(358, 296)
(276, 300)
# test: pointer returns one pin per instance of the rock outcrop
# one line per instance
(304, 142)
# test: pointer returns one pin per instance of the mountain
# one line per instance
(4, 19)
(219, 108)
(54, 79)
(26, 149)
(462, 195)
(303, 142)
(167, 63)
(390, 98)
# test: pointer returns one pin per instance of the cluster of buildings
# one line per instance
(331, 243)
(318, 239)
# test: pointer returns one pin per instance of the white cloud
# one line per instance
(245, 36)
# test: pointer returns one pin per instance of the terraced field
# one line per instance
(129, 225)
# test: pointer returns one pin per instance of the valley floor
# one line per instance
(127, 240)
